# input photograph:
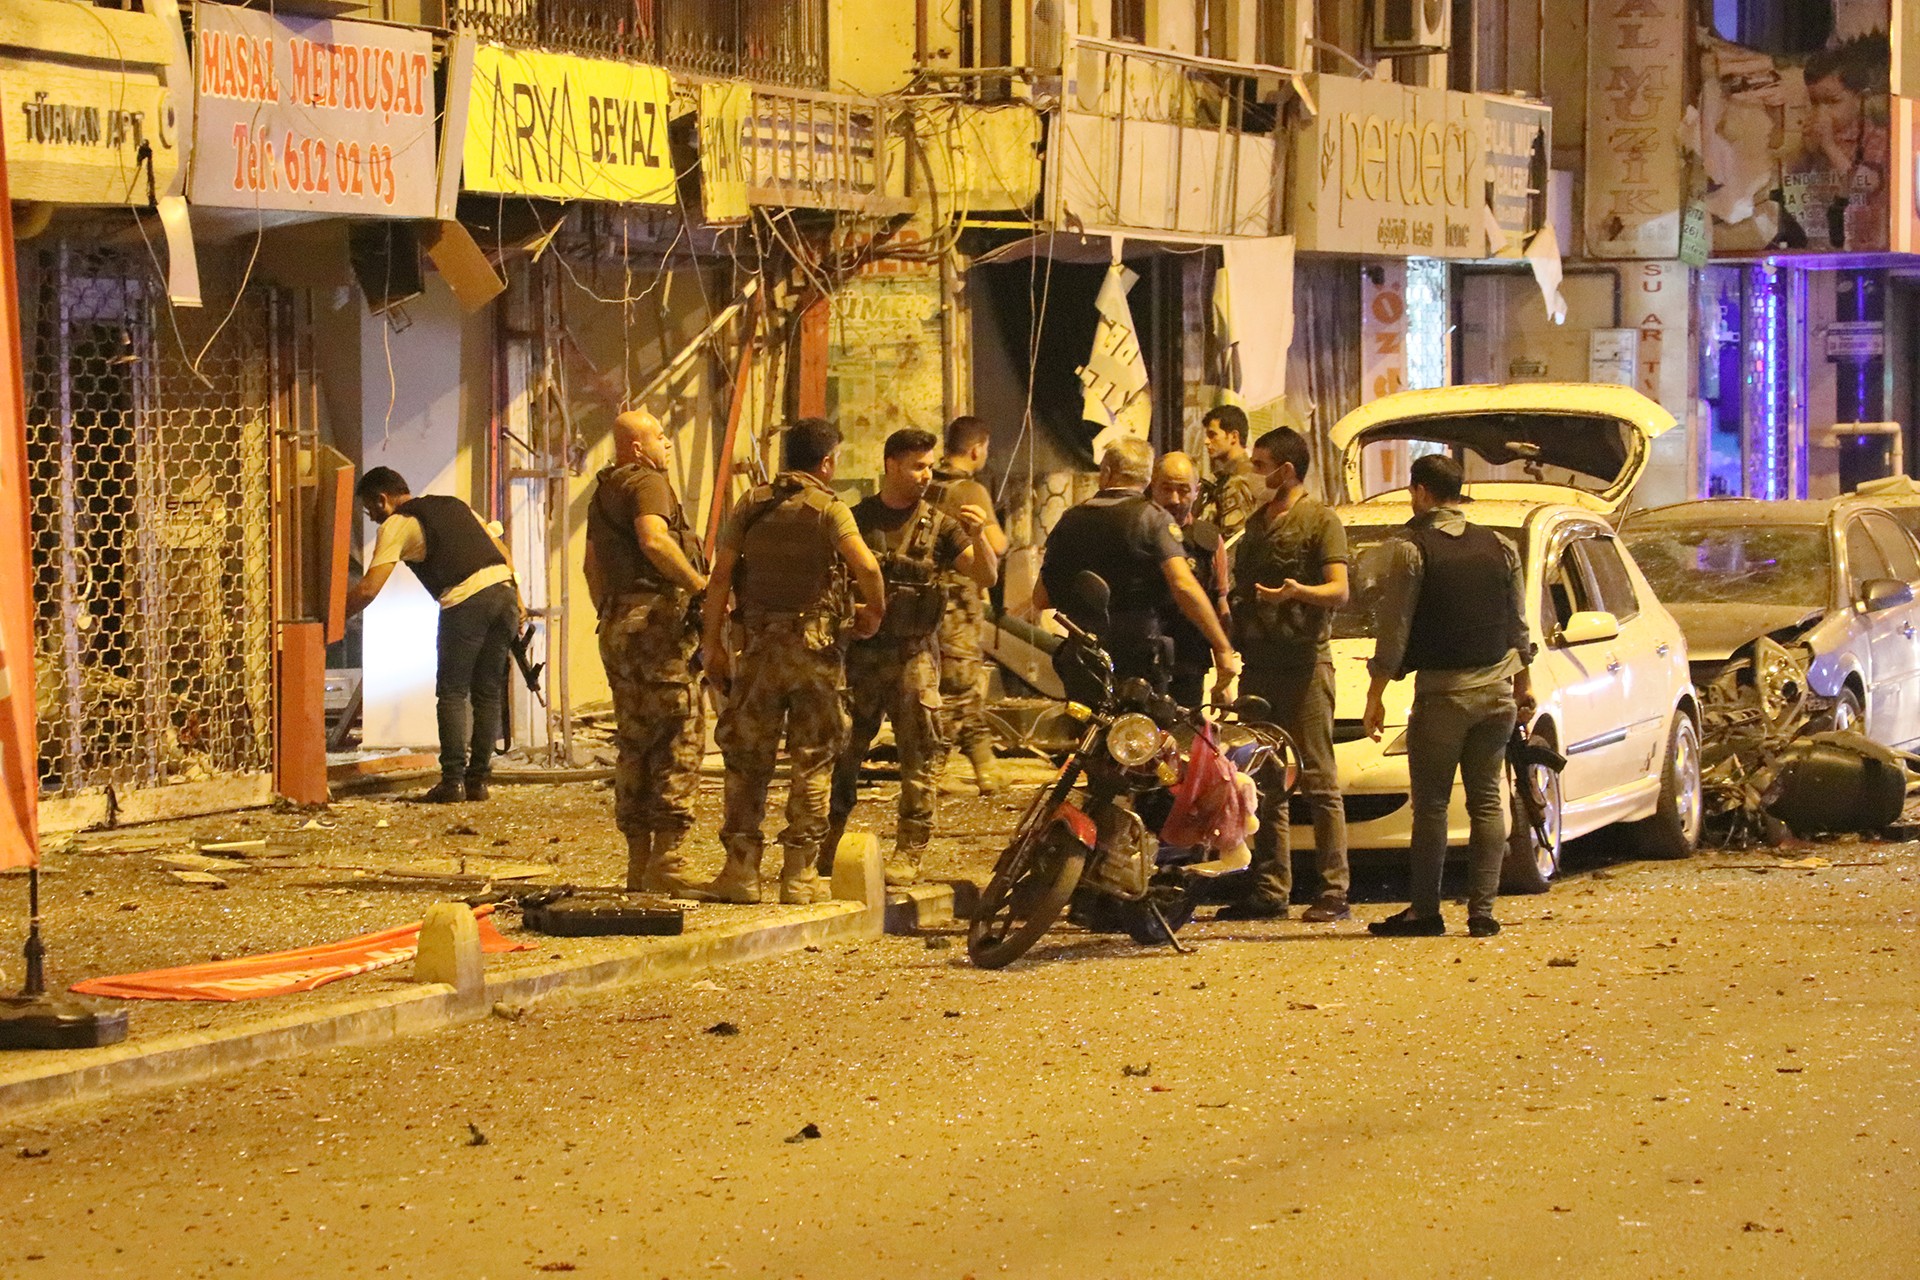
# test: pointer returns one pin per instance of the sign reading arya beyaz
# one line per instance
(311, 114)
(567, 128)
(1391, 170)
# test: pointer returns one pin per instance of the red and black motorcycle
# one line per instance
(1152, 809)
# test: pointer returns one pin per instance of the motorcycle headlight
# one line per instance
(1133, 740)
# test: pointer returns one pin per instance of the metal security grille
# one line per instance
(774, 41)
(150, 527)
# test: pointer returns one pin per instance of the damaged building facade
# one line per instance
(245, 277)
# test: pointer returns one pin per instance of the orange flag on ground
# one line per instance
(19, 751)
(285, 972)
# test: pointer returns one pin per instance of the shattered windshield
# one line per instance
(1777, 564)
(1355, 622)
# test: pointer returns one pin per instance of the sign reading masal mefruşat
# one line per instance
(311, 114)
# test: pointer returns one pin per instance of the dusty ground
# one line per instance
(1657, 1070)
(113, 905)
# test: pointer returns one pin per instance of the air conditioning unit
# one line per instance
(1412, 26)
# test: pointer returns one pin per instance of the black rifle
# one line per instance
(529, 669)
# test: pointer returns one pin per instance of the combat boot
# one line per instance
(738, 882)
(829, 846)
(981, 758)
(654, 865)
(800, 884)
(903, 868)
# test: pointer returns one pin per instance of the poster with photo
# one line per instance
(1794, 136)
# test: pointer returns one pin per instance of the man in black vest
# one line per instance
(1133, 545)
(1447, 606)
(467, 570)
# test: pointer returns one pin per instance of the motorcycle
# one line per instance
(1148, 814)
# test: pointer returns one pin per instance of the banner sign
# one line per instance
(1636, 106)
(311, 114)
(567, 128)
(1797, 141)
(1516, 141)
(724, 105)
(73, 134)
(1391, 170)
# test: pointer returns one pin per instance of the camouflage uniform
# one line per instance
(789, 673)
(1233, 495)
(963, 672)
(647, 645)
(896, 674)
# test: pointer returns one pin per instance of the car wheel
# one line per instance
(1847, 713)
(1531, 862)
(1674, 829)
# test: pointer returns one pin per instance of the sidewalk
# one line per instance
(157, 896)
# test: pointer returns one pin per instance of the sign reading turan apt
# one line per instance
(312, 115)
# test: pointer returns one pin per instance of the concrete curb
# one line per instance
(87, 1075)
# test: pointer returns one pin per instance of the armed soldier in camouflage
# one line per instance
(896, 674)
(963, 723)
(645, 572)
(782, 567)
(1235, 492)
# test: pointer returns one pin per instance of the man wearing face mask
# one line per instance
(895, 675)
(1175, 487)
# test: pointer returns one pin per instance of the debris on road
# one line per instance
(1562, 962)
(723, 1029)
(1126, 1070)
(807, 1133)
(475, 1138)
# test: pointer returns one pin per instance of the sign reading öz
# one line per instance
(311, 114)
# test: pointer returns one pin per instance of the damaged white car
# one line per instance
(1799, 617)
(1547, 465)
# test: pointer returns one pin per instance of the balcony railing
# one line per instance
(767, 41)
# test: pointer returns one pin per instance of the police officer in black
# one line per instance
(466, 569)
(1133, 545)
(1447, 609)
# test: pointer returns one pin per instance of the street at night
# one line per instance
(1701, 1069)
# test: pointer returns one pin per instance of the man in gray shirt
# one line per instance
(1448, 606)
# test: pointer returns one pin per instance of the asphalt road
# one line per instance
(1670, 1070)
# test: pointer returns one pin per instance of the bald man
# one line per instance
(645, 572)
(1175, 489)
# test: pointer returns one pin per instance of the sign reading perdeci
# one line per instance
(311, 114)
(567, 128)
(1391, 170)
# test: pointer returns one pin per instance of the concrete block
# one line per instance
(922, 906)
(858, 873)
(450, 949)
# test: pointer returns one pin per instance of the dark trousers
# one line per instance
(1465, 732)
(470, 683)
(1302, 702)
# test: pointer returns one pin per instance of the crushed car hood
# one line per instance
(1715, 632)
(1598, 431)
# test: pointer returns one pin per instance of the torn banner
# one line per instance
(1114, 379)
(285, 972)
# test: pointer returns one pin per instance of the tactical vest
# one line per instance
(457, 543)
(916, 595)
(1463, 617)
(789, 558)
(630, 569)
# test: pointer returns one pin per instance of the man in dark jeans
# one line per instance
(1448, 610)
(467, 570)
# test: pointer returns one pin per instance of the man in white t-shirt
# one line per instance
(468, 571)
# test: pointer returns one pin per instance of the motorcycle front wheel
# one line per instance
(1028, 891)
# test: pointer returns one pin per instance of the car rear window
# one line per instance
(1355, 622)
(1783, 564)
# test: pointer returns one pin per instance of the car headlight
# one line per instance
(1780, 677)
(1133, 740)
(1398, 747)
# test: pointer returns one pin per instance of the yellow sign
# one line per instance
(75, 135)
(567, 128)
(1392, 171)
(724, 107)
